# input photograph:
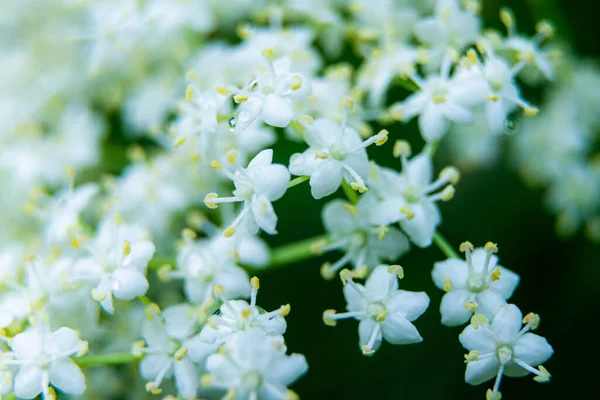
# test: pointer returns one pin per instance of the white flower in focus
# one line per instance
(364, 243)
(410, 196)
(335, 153)
(173, 348)
(239, 315)
(117, 265)
(504, 348)
(384, 311)
(477, 285)
(253, 365)
(440, 100)
(44, 358)
(257, 185)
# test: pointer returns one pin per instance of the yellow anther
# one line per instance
(98, 295)
(478, 319)
(464, 246)
(496, 274)
(451, 174)
(268, 53)
(355, 7)
(545, 375)
(126, 247)
(473, 355)
(152, 311)
(471, 305)
(401, 148)
(246, 312)
(189, 93)
(285, 310)
(491, 247)
(346, 275)
(179, 354)
(189, 234)
(382, 137)
(296, 82)
(545, 28)
(207, 380)
(473, 6)
(51, 394)
(304, 121)
(218, 290)
(492, 97)
(137, 347)
(240, 98)
(118, 219)
(328, 317)
(396, 112)
(75, 243)
(532, 319)
(366, 350)
(382, 231)
(291, 395)
(223, 91)
(351, 208)
(151, 388)
(360, 272)
(326, 271)
(179, 141)
(531, 111)
(406, 210)
(232, 156)
(209, 200)
(316, 248)
(215, 164)
(191, 75)
(396, 270)
(376, 53)
(359, 187)
(70, 171)
(230, 395)
(439, 99)
(243, 31)
(472, 56)
(320, 154)
(255, 282)
(381, 316)
(163, 273)
(491, 395)
(507, 18)
(447, 284)
(348, 102)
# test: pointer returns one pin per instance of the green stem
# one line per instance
(431, 148)
(446, 248)
(295, 252)
(350, 193)
(105, 359)
(297, 181)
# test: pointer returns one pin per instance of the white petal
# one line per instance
(235, 280)
(430, 31)
(456, 113)
(264, 215)
(27, 345)
(453, 308)
(186, 378)
(304, 163)
(478, 339)
(28, 382)
(410, 304)
(420, 170)
(421, 227)
(67, 376)
(271, 181)
(366, 327)
(452, 268)
(489, 302)
(180, 321)
(507, 323)
(262, 159)
(378, 284)
(355, 302)
(277, 111)
(321, 134)
(199, 349)
(398, 330)
(337, 220)
(481, 370)
(152, 364)
(196, 290)
(285, 370)
(388, 211)
(390, 248)
(507, 283)
(141, 254)
(154, 333)
(432, 124)
(326, 179)
(533, 349)
(128, 284)
(496, 116)
(63, 341)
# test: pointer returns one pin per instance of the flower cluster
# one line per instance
(128, 177)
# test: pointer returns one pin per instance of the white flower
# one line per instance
(117, 266)
(410, 196)
(254, 365)
(383, 310)
(205, 264)
(44, 358)
(335, 153)
(477, 285)
(257, 185)
(504, 348)
(173, 348)
(440, 100)
(364, 243)
(239, 315)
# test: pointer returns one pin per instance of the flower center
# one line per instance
(252, 380)
(377, 311)
(504, 354)
(411, 195)
(339, 151)
(476, 283)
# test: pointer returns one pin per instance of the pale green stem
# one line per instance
(350, 193)
(297, 181)
(105, 359)
(446, 248)
(297, 251)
